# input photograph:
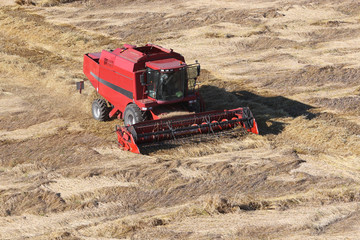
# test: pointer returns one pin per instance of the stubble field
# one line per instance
(294, 63)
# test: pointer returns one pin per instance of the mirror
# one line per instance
(192, 72)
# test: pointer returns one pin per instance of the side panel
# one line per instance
(139, 93)
(90, 68)
(123, 66)
(116, 87)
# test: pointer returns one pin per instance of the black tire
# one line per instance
(100, 110)
(132, 115)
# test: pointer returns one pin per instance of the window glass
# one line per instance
(152, 77)
(166, 85)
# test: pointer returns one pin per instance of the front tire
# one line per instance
(132, 115)
(100, 110)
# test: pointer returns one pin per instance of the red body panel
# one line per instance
(116, 74)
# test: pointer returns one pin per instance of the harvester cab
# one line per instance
(169, 80)
(145, 86)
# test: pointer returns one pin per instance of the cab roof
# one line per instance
(170, 63)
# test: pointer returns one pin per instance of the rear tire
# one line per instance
(132, 115)
(100, 110)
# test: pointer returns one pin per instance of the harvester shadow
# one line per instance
(265, 109)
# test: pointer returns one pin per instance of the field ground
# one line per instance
(294, 63)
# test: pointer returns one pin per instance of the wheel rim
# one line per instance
(96, 111)
(130, 119)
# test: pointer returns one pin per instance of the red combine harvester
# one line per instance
(145, 86)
